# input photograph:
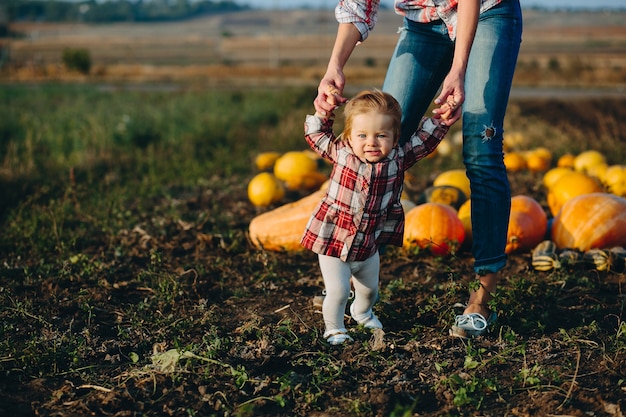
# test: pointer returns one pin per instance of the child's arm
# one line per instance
(318, 133)
(425, 140)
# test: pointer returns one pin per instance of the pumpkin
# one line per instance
(306, 181)
(615, 179)
(433, 226)
(445, 194)
(566, 161)
(455, 178)
(544, 257)
(539, 160)
(265, 160)
(528, 224)
(552, 176)
(293, 166)
(514, 161)
(587, 159)
(598, 171)
(265, 189)
(569, 186)
(596, 220)
(282, 228)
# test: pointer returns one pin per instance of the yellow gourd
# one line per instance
(615, 179)
(553, 175)
(265, 189)
(294, 168)
(587, 159)
(569, 186)
(265, 160)
(455, 178)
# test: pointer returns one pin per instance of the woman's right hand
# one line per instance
(329, 93)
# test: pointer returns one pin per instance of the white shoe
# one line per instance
(337, 337)
(370, 322)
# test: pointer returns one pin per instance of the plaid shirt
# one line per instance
(361, 209)
(363, 13)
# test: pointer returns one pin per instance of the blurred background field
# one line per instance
(286, 47)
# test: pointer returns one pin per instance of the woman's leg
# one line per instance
(419, 63)
(488, 83)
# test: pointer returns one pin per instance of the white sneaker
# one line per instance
(337, 336)
(370, 322)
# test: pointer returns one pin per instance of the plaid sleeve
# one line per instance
(424, 141)
(318, 133)
(362, 13)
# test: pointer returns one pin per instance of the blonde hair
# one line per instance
(372, 100)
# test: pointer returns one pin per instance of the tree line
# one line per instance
(114, 10)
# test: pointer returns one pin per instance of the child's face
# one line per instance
(372, 137)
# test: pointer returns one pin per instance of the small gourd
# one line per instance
(598, 259)
(544, 256)
(618, 258)
(445, 194)
(570, 257)
(456, 178)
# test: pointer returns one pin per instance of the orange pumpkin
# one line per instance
(566, 161)
(282, 228)
(596, 220)
(514, 161)
(433, 226)
(528, 224)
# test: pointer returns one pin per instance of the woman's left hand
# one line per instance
(451, 98)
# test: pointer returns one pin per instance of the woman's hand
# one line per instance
(451, 98)
(329, 94)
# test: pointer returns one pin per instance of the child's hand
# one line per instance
(333, 96)
(328, 98)
(449, 111)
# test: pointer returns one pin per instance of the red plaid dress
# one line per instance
(361, 209)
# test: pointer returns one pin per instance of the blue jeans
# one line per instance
(420, 62)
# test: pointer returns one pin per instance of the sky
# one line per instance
(549, 4)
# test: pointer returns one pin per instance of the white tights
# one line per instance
(337, 274)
